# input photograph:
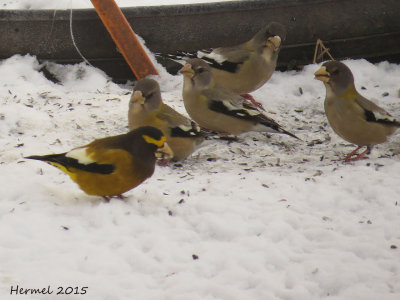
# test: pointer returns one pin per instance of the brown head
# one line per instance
(146, 95)
(198, 72)
(270, 36)
(336, 75)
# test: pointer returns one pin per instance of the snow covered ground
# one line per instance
(263, 218)
(267, 217)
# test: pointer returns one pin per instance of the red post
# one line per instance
(124, 37)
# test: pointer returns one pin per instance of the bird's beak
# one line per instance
(137, 97)
(164, 154)
(274, 42)
(187, 71)
(322, 74)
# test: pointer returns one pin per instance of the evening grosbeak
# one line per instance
(246, 67)
(219, 109)
(146, 108)
(353, 117)
(113, 165)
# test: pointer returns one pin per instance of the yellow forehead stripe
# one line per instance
(150, 140)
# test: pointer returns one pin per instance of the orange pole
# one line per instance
(123, 35)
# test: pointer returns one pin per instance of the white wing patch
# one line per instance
(190, 129)
(80, 155)
(242, 112)
(185, 128)
(383, 116)
(214, 56)
(252, 112)
(229, 105)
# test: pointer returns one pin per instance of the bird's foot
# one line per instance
(253, 101)
(225, 136)
(228, 137)
(108, 198)
(163, 163)
(359, 156)
(221, 136)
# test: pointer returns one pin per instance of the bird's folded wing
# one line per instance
(68, 161)
(179, 125)
(179, 56)
(225, 102)
(374, 113)
(228, 59)
(231, 104)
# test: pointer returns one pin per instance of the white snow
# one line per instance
(267, 217)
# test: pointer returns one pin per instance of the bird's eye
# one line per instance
(200, 70)
(149, 95)
(335, 72)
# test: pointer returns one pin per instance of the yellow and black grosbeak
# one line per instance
(113, 165)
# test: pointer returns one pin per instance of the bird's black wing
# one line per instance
(217, 61)
(69, 162)
(386, 120)
(374, 113)
(246, 111)
(189, 132)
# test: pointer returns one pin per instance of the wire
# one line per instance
(73, 38)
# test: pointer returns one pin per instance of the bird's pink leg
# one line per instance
(163, 163)
(106, 198)
(359, 156)
(251, 99)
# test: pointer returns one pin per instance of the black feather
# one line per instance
(227, 66)
(181, 56)
(370, 117)
(195, 131)
(219, 106)
(243, 114)
(69, 162)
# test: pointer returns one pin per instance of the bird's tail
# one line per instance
(179, 56)
(60, 161)
(281, 130)
(173, 62)
(65, 163)
(51, 158)
(265, 121)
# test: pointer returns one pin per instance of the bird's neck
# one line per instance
(350, 92)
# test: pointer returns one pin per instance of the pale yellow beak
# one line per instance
(322, 74)
(137, 97)
(274, 42)
(164, 154)
(187, 71)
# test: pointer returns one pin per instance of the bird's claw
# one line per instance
(359, 156)
(253, 101)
